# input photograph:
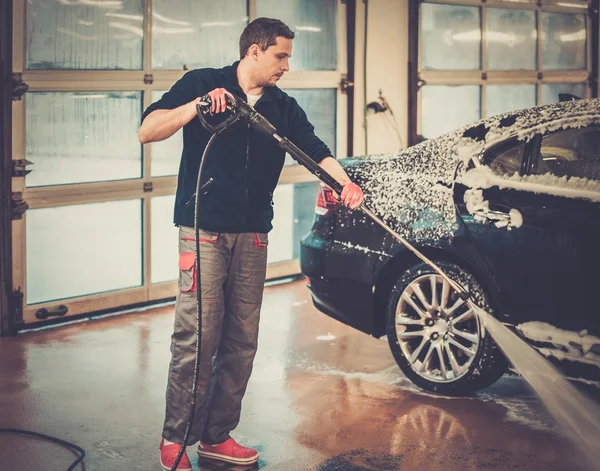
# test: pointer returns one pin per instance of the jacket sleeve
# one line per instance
(302, 133)
(182, 92)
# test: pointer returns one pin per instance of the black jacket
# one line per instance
(243, 164)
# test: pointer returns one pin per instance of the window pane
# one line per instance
(77, 137)
(503, 98)
(445, 108)
(164, 251)
(315, 24)
(280, 238)
(166, 154)
(84, 35)
(550, 91)
(506, 159)
(451, 37)
(83, 249)
(563, 38)
(294, 215)
(305, 195)
(320, 107)
(196, 33)
(511, 39)
(571, 153)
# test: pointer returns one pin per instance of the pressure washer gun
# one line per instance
(239, 109)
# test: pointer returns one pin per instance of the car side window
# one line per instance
(506, 159)
(570, 153)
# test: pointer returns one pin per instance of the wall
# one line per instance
(387, 69)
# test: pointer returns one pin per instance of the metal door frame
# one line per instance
(6, 322)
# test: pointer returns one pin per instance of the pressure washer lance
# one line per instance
(237, 110)
(261, 124)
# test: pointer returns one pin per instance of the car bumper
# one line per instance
(313, 253)
(342, 298)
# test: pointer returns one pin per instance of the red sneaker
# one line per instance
(229, 451)
(168, 455)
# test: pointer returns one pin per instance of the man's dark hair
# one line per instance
(264, 32)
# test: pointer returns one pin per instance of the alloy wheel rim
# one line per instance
(437, 331)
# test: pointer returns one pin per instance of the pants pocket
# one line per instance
(261, 240)
(205, 236)
(187, 272)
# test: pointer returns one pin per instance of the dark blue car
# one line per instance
(510, 208)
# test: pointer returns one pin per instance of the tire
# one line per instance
(444, 349)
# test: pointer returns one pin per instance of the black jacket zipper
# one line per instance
(204, 189)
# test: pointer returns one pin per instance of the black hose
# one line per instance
(80, 450)
(199, 305)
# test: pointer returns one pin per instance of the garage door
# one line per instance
(97, 232)
(479, 59)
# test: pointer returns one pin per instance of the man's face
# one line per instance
(273, 63)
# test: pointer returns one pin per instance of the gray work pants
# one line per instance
(233, 270)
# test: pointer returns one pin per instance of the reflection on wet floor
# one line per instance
(209, 465)
(322, 397)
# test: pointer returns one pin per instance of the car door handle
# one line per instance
(499, 218)
(496, 215)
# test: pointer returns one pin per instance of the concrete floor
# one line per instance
(322, 397)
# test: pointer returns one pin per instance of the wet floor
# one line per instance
(322, 397)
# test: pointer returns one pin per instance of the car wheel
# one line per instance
(437, 340)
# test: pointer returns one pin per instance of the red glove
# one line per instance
(352, 195)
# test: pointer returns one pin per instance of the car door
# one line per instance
(546, 260)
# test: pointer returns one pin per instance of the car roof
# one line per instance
(473, 137)
(522, 123)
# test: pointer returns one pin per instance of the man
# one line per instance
(240, 174)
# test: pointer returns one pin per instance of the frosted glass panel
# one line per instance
(81, 35)
(166, 154)
(294, 216)
(445, 108)
(305, 196)
(503, 98)
(83, 249)
(77, 137)
(511, 39)
(563, 38)
(451, 37)
(315, 24)
(164, 240)
(320, 107)
(550, 91)
(196, 33)
(281, 247)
